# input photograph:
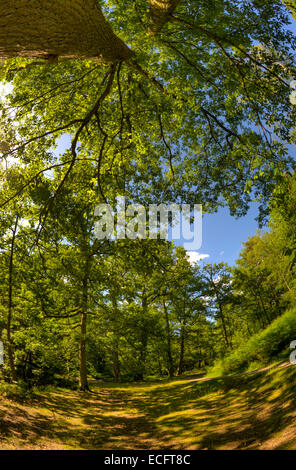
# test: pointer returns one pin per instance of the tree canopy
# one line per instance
(165, 101)
(200, 111)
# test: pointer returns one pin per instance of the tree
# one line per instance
(187, 102)
(258, 289)
(282, 237)
(291, 5)
(149, 264)
(185, 296)
(219, 290)
(8, 248)
(204, 104)
(49, 30)
(264, 275)
(10, 300)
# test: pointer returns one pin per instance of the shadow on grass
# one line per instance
(245, 411)
(255, 410)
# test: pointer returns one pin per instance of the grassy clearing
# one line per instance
(255, 410)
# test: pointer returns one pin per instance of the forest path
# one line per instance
(254, 410)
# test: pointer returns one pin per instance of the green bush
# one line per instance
(270, 344)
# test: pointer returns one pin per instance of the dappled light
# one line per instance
(245, 411)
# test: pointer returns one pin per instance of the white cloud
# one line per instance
(194, 257)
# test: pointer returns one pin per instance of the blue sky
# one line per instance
(223, 234)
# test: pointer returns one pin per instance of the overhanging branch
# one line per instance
(160, 12)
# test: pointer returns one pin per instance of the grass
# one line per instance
(268, 345)
(254, 410)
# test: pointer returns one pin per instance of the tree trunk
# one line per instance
(262, 317)
(143, 342)
(160, 12)
(83, 383)
(116, 362)
(169, 348)
(182, 349)
(142, 356)
(264, 309)
(115, 350)
(10, 306)
(221, 314)
(58, 28)
(159, 365)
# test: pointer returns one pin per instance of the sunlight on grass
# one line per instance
(250, 411)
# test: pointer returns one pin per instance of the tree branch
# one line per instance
(85, 121)
(160, 12)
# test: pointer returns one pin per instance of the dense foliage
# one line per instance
(200, 114)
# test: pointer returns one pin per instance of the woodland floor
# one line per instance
(255, 410)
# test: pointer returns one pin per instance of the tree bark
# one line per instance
(49, 29)
(83, 382)
(116, 362)
(142, 355)
(143, 342)
(10, 306)
(169, 348)
(115, 346)
(182, 349)
(160, 12)
(221, 314)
